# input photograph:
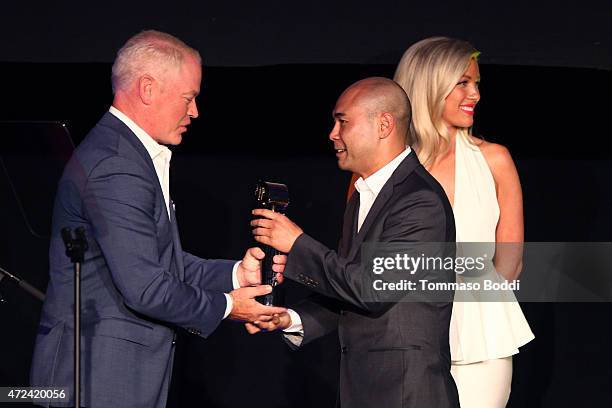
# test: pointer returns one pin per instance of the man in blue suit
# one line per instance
(138, 285)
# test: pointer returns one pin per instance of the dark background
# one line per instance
(249, 33)
(272, 75)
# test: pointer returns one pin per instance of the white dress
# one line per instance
(481, 331)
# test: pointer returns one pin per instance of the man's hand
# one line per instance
(275, 229)
(249, 270)
(247, 309)
(275, 322)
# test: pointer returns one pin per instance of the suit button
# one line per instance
(174, 339)
(344, 349)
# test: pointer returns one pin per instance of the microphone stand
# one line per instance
(22, 284)
(75, 250)
(1, 297)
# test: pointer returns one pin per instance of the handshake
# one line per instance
(245, 307)
(278, 231)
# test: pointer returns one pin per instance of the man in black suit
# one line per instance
(394, 354)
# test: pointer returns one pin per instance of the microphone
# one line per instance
(75, 246)
(23, 285)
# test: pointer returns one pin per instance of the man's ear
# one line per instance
(146, 85)
(386, 124)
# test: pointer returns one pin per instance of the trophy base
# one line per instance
(266, 300)
(274, 298)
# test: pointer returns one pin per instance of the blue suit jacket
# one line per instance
(137, 283)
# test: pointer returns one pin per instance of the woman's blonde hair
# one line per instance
(428, 72)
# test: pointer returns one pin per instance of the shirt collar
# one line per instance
(377, 180)
(153, 148)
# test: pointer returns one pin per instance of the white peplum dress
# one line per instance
(481, 330)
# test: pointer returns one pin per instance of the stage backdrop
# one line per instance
(272, 123)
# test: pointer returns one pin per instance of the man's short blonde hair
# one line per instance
(148, 52)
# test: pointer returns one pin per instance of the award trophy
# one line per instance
(275, 197)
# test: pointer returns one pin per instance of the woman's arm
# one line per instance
(509, 234)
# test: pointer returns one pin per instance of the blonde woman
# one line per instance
(441, 77)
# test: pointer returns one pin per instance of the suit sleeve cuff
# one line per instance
(294, 333)
(235, 283)
(228, 306)
(296, 323)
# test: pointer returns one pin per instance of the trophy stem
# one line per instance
(274, 197)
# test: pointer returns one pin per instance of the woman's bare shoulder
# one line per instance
(497, 156)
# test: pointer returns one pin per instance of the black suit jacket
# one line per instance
(392, 354)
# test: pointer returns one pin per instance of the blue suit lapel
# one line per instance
(176, 242)
(118, 126)
(114, 123)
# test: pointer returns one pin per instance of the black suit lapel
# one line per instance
(407, 166)
(349, 224)
(379, 204)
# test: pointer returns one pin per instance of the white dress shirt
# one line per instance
(368, 191)
(161, 155)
